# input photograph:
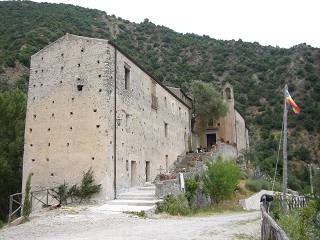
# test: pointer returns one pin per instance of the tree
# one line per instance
(221, 179)
(26, 210)
(208, 104)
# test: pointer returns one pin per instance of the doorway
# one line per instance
(147, 171)
(211, 140)
(133, 173)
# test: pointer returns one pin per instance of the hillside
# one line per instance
(257, 73)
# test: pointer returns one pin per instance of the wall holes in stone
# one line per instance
(47, 159)
(79, 87)
(97, 126)
(31, 145)
(92, 158)
(68, 144)
(94, 110)
(99, 75)
(53, 102)
(30, 129)
(33, 160)
(52, 115)
(49, 144)
(36, 71)
(60, 81)
(98, 61)
(79, 65)
(71, 113)
(34, 116)
(100, 90)
(70, 128)
(82, 49)
(52, 174)
(49, 129)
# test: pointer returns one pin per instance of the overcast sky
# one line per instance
(282, 23)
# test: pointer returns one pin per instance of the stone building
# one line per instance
(92, 106)
(230, 129)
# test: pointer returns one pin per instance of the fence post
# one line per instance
(10, 209)
(47, 203)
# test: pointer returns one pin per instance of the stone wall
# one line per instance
(69, 127)
(72, 120)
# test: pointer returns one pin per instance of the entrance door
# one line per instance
(133, 173)
(211, 140)
(147, 171)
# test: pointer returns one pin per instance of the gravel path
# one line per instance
(89, 223)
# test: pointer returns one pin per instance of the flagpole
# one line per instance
(285, 159)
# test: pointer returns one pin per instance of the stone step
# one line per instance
(147, 188)
(136, 197)
(123, 208)
(133, 202)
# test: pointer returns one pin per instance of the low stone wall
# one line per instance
(270, 230)
(168, 187)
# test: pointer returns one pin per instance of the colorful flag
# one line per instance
(291, 102)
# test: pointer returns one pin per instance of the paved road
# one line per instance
(93, 224)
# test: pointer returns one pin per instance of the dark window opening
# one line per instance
(218, 124)
(98, 61)
(52, 115)
(82, 50)
(49, 144)
(34, 116)
(60, 81)
(97, 126)
(32, 159)
(68, 144)
(31, 145)
(49, 129)
(62, 54)
(71, 113)
(126, 78)
(99, 75)
(127, 165)
(95, 110)
(72, 99)
(165, 129)
(70, 128)
(228, 93)
(92, 158)
(79, 87)
(100, 90)
(30, 129)
(52, 174)
(52, 101)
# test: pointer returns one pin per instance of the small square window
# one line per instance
(79, 87)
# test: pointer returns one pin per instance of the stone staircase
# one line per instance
(141, 198)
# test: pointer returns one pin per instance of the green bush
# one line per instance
(26, 209)
(174, 205)
(221, 179)
(299, 223)
(256, 185)
(191, 188)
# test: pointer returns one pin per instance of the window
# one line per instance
(126, 78)
(228, 93)
(210, 122)
(166, 129)
(154, 99)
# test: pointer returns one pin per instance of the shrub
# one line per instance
(174, 205)
(26, 210)
(191, 188)
(221, 179)
(299, 223)
(256, 185)
(86, 189)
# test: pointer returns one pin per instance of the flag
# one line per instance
(291, 102)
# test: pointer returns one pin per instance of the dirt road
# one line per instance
(89, 223)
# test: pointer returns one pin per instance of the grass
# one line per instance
(141, 214)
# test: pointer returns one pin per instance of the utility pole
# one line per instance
(310, 174)
(285, 159)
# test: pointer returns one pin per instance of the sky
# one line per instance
(282, 23)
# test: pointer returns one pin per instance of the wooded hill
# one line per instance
(257, 73)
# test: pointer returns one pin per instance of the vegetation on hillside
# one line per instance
(257, 73)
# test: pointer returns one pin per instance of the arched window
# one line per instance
(228, 93)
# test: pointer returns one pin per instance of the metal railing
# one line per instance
(42, 198)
